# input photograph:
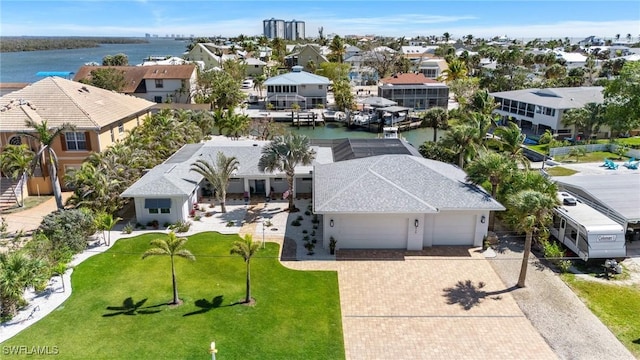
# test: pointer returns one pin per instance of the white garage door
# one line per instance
(454, 229)
(372, 232)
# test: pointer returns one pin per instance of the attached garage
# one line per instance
(399, 202)
(453, 228)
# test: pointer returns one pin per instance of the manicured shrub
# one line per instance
(295, 223)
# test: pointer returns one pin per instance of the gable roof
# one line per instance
(58, 101)
(395, 184)
(408, 79)
(354, 148)
(556, 98)
(135, 75)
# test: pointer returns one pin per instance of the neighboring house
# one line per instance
(416, 54)
(540, 109)
(305, 54)
(432, 68)
(414, 91)
(351, 50)
(399, 202)
(591, 41)
(168, 191)
(157, 83)
(101, 118)
(572, 59)
(212, 55)
(367, 198)
(297, 87)
(254, 67)
(360, 73)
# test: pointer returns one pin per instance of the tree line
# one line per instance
(25, 43)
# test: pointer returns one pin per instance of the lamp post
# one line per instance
(213, 350)
(263, 220)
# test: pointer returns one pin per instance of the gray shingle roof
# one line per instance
(395, 184)
(174, 177)
(556, 98)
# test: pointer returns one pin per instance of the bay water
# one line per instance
(22, 67)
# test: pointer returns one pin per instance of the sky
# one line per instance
(516, 19)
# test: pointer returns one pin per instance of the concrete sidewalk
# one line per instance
(29, 219)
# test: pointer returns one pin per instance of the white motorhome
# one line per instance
(585, 231)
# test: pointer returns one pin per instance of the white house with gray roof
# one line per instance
(168, 192)
(399, 202)
(297, 87)
(373, 193)
(541, 109)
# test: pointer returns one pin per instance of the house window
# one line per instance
(159, 84)
(75, 141)
(158, 206)
(319, 87)
(120, 127)
(15, 140)
(157, 99)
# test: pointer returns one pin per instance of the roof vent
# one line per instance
(297, 68)
(569, 201)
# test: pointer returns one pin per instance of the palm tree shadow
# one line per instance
(468, 295)
(129, 307)
(206, 306)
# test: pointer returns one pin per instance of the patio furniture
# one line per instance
(631, 165)
(610, 164)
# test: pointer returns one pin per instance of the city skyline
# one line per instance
(516, 19)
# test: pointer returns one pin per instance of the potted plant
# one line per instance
(332, 245)
(309, 246)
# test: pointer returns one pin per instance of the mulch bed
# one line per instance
(289, 249)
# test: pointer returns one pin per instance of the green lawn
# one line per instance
(296, 316)
(617, 307)
(560, 171)
(596, 156)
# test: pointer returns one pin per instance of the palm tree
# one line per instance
(246, 248)
(446, 36)
(532, 211)
(284, 153)
(337, 49)
(234, 124)
(457, 69)
(588, 119)
(17, 272)
(15, 163)
(106, 222)
(170, 246)
(436, 117)
(494, 168)
(464, 140)
(511, 139)
(258, 81)
(46, 137)
(217, 174)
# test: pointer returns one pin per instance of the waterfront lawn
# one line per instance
(617, 306)
(118, 307)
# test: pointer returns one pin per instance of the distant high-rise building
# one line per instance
(273, 28)
(294, 30)
(289, 30)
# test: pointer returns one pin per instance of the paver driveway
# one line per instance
(429, 307)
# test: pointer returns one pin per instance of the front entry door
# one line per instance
(260, 184)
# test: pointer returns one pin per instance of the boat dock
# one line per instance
(300, 118)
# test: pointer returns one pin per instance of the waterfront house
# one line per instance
(537, 110)
(157, 83)
(414, 91)
(297, 87)
(371, 193)
(101, 118)
(211, 55)
(307, 56)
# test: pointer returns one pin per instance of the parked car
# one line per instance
(252, 99)
(247, 84)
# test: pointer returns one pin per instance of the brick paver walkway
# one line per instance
(430, 307)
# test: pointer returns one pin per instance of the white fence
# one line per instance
(561, 151)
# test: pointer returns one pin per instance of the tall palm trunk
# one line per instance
(55, 182)
(525, 259)
(174, 283)
(435, 132)
(248, 298)
(290, 180)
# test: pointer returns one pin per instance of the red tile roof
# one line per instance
(407, 79)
